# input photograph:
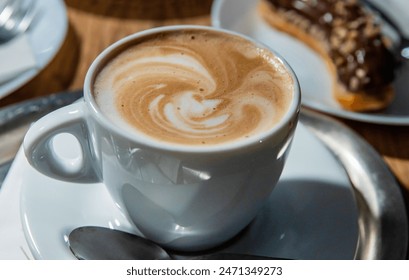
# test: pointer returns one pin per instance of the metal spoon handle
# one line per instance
(99, 243)
(403, 47)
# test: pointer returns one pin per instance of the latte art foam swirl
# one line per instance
(194, 88)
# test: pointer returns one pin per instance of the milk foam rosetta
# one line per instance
(195, 87)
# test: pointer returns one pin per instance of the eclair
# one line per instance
(349, 39)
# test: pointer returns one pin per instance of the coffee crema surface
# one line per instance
(194, 87)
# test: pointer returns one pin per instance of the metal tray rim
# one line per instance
(382, 217)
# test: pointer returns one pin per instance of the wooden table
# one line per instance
(95, 24)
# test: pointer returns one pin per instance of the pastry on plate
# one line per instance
(349, 38)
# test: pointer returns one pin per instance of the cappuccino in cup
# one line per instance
(194, 87)
(187, 127)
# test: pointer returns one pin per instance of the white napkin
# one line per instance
(13, 245)
(16, 56)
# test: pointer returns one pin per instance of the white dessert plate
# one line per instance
(242, 16)
(320, 209)
(45, 37)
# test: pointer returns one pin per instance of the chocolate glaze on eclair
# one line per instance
(349, 38)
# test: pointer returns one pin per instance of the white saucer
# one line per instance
(45, 37)
(311, 214)
(242, 16)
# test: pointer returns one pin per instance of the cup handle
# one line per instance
(41, 154)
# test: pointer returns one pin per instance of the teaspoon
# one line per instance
(99, 243)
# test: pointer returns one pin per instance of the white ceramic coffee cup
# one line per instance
(182, 197)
